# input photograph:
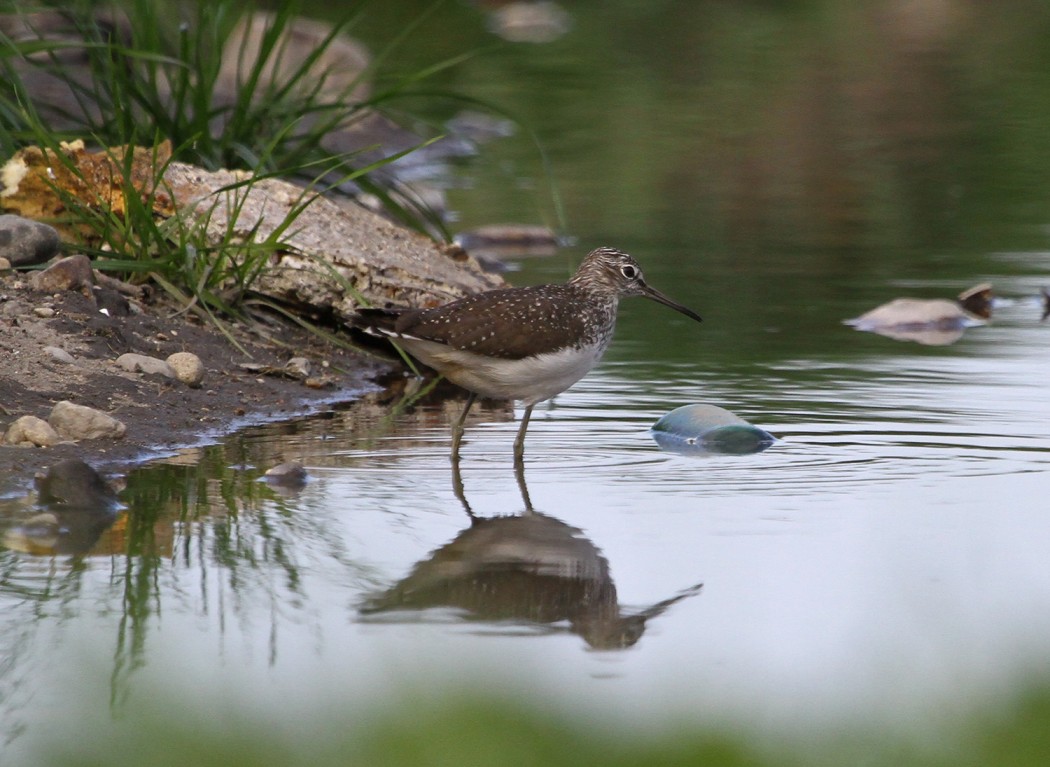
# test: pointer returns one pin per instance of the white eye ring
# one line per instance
(628, 271)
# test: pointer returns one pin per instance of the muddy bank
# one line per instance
(159, 413)
(60, 343)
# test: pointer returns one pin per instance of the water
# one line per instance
(886, 558)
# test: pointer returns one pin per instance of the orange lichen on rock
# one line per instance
(41, 184)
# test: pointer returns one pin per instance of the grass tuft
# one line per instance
(223, 88)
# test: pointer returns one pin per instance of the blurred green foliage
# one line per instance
(471, 730)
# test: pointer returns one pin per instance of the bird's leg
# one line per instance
(519, 443)
(457, 427)
(519, 474)
(457, 488)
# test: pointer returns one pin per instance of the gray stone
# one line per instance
(74, 484)
(297, 368)
(24, 242)
(188, 368)
(383, 262)
(140, 363)
(110, 302)
(31, 431)
(73, 421)
(289, 474)
(44, 312)
(59, 355)
(70, 273)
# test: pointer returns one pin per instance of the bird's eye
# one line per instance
(629, 271)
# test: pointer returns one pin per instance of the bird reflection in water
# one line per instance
(527, 567)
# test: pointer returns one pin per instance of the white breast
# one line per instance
(531, 379)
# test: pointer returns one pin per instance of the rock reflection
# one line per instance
(75, 507)
(528, 567)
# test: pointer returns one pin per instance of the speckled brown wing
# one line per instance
(508, 324)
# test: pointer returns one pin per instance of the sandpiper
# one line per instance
(526, 344)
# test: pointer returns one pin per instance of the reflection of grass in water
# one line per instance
(478, 731)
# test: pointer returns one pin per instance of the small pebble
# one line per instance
(59, 355)
(298, 368)
(44, 312)
(70, 273)
(188, 368)
(140, 363)
(110, 302)
(541, 21)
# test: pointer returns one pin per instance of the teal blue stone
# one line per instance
(693, 429)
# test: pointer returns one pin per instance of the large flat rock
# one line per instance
(377, 262)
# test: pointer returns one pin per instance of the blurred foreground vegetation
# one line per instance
(473, 730)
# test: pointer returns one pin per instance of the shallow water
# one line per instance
(885, 558)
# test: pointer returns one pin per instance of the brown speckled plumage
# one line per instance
(516, 322)
(521, 343)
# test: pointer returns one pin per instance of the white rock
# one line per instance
(928, 312)
(73, 421)
(140, 363)
(30, 430)
(188, 368)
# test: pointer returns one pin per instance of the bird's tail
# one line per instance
(375, 321)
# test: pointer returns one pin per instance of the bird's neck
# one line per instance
(595, 286)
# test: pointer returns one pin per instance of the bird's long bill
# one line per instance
(656, 295)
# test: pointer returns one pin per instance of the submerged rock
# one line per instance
(74, 483)
(698, 429)
(290, 474)
(77, 506)
(929, 321)
(978, 300)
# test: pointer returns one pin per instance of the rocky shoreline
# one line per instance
(145, 375)
(69, 352)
